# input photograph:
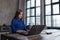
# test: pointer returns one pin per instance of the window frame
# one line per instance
(51, 14)
(30, 11)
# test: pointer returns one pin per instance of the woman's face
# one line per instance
(21, 15)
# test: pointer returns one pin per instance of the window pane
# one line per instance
(28, 4)
(32, 3)
(48, 21)
(28, 12)
(37, 20)
(38, 11)
(47, 1)
(56, 21)
(28, 21)
(56, 9)
(32, 12)
(32, 21)
(37, 2)
(55, 1)
(48, 10)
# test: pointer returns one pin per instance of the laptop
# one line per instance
(36, 29)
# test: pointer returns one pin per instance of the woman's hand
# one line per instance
(21, 31)
(28, 30)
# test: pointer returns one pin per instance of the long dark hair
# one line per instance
(17, 13)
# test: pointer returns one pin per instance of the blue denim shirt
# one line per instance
(17, 24)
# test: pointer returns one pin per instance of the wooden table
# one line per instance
(43, 36)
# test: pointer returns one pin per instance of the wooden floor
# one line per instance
(49, 34)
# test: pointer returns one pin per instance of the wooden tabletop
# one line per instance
(42, 36)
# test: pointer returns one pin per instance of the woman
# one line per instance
(17, 24)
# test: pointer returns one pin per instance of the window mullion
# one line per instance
(51, 14)
(35, 12)
(59, 6)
